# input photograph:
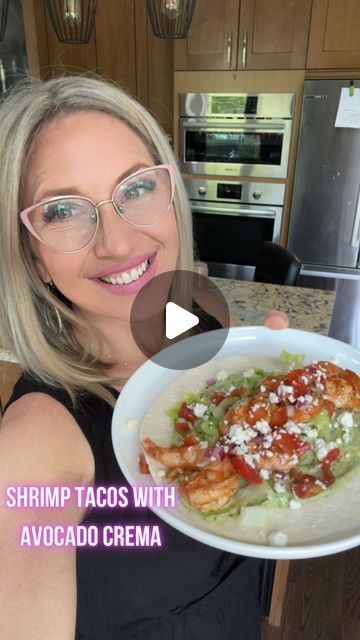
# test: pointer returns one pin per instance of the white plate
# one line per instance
(321, 527)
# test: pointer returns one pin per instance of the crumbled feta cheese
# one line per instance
(279, 488)
(199, 409)
(338, 441)
(284, 388)
(238, 434)
(273, 398)
(249, 460)
(231, 388)
(221, 375)
(263, 426)
(291, 427)
(346, 419)
(262, 388)
(294, 504)
(346, 437)
(277, 538)
(322, 448)
(264, 474)
(309, 398)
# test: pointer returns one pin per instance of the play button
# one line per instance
(172, 311)
(178, 320)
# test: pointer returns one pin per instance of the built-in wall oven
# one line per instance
(235, 134)
(231, 220)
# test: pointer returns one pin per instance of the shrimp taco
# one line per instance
(248, 431)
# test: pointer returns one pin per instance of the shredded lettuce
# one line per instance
(292, 361)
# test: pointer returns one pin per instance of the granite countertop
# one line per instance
(249, 302)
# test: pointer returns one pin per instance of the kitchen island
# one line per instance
(249, 302)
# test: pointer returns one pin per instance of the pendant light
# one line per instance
(73, 20)
(170, 18)
(4, 6)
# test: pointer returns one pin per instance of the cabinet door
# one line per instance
(115, 42)
(273, 34)
(334, 35)
(212, 39)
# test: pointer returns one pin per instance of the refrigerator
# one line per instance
(324, 229)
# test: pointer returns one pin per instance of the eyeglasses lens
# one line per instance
(66, 224)
(145, 198)
(69, 224)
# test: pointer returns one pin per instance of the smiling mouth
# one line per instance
(125, 277)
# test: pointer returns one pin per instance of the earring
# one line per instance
(47, 311)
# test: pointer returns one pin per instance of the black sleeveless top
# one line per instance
(184, 590)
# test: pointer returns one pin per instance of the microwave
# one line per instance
(235, 134)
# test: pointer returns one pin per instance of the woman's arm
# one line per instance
(40, 444)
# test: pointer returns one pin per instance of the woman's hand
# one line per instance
(276, 320)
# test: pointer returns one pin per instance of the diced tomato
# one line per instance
(217, 397)
(353, 379)
(182, 427)
(290, 444)
(190, 440)
(306, 488)
(332, 456)
(329, 407)
(245, 470)
(296, 380)
(256, 413)
(279, 416)
(143, 466)
(187, 413)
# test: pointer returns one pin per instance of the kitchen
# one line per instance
(232, 47)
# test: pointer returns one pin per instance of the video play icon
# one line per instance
(178, 320)
(170, 314)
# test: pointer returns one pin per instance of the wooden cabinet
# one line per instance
(273, 34)
(334, 41)
(245, 34)
(9, 374)
(212, 39)
(122, 48)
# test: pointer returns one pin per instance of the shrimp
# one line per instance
(210, 488)
(191, 457)
(340, 387)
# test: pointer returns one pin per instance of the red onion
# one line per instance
(210, 382)
(215, 452)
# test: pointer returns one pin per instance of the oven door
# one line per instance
(228, 238)
(255, 149)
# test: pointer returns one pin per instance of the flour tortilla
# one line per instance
(332, 517)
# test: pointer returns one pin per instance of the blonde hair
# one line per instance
(28, 320)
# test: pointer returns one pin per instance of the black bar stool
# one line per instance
(276, 265)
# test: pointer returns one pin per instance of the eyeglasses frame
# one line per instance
(24, 214)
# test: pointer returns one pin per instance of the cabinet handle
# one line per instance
(244, 50)
(229, 47)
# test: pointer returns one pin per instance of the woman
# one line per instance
(77, 155)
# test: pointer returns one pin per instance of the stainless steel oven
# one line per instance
(235, 134)
(231, 220)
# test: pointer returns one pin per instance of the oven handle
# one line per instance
(236, 126)
(251, 213)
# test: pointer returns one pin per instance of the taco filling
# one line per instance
(258, 437)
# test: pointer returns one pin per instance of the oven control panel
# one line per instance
(236, 192)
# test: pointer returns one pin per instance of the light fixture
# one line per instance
(73, 20)
(4, 6)
(170, 18)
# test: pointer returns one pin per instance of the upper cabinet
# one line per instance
(122, 48)
(334, 41)
(212, 39)
(245, 34)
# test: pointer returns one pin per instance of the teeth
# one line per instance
(126, 276)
